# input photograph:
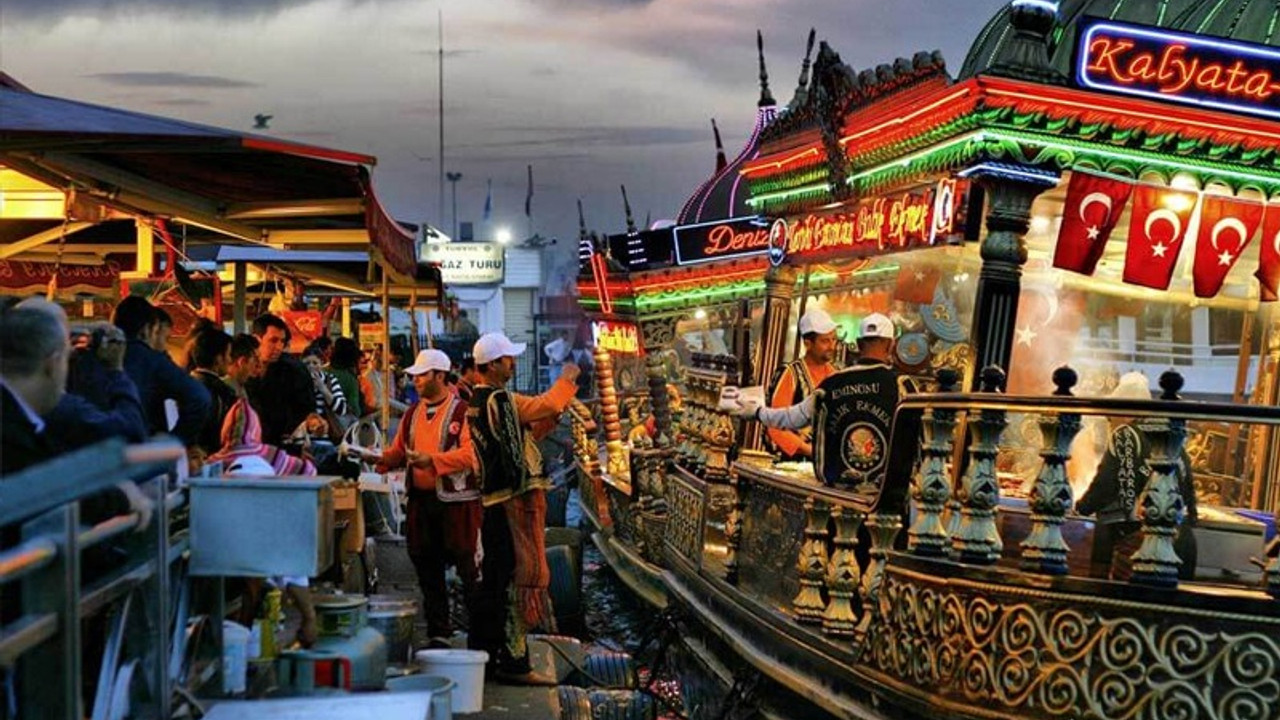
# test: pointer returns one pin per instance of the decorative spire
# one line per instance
(1026, 55)
(766, 97)
(802, 89)
(631, 221)
(582, 222)
(721, 162)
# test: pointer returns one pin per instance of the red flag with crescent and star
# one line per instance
(1090, 213)
(1226, 227)
(1160, 221)
(1268, 273)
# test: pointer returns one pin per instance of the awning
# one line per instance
(252, 188)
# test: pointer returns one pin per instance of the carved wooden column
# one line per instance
(932, 487)
(812, 564)
(1161, 508)
(1044, 550)
(977, 540)
(1004, 252)
(883, 529)
(843, 576)
(658, 335)
(779, 288)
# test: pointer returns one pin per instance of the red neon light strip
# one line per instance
(1144, 110)
(601, 273)
(904, 119)
(811, 151)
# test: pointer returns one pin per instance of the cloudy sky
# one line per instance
(592, 93)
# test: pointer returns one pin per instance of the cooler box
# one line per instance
(261, 527)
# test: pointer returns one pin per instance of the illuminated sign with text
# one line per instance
(874, 226)
(719, 240)
(1179, 67)
(618, 337)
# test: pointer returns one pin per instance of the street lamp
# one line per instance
(454, 177)
(503, 235)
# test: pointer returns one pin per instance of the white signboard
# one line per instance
(466, 263)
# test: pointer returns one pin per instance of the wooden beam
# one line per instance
(296, 208)
(238, 317)
(131, 193)
(43, 237)
(305, 238)
(146, 250)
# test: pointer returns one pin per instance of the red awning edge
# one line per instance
(392, 245)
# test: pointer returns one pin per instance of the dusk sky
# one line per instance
(592, 93)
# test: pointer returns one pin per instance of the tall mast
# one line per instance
(440, 24)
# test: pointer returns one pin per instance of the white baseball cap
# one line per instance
(817, 321)
(494, 345)
(876, 325)
(429, 360)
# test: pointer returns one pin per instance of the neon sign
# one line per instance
(704, 242)
(1179, 67)
(874, 226)
(616, 337)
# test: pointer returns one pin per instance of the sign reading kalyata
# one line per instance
(466, 263)
(722, 239)
(907, 220)
(618, 337)
(1178, 67)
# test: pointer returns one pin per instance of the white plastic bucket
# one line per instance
(235, 657)
(465, 668)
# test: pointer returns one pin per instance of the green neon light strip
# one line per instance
(1132, 156)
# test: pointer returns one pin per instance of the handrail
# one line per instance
(84, 472)
(26, 558)
(1107, 407)
(107, 529)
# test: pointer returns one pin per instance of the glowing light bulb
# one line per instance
(503, 235)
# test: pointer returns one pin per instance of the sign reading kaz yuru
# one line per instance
(873, 226)
(466, 263)
(1178, 67)
(704, 242)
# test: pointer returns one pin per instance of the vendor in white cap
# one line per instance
(798, 379)
(853, 421)
(503, 427)
(443, 523)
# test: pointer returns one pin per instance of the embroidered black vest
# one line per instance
(498, 440)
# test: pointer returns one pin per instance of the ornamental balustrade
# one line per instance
(969, 598)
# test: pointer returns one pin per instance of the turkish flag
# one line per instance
(1159, 223)
(1268, 273)
(916, 283)
(1226, 226)
(1092, 208)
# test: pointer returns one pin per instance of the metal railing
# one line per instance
(48, 595)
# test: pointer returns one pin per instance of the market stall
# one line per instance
(1053, 205)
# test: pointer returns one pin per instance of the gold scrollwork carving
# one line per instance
(1053, 658)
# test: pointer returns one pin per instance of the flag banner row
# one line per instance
(1161, 223)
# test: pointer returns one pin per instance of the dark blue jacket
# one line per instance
(159, 379)
(78, 421)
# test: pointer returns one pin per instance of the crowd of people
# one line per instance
(475, 481)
